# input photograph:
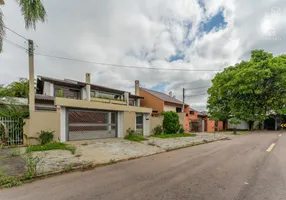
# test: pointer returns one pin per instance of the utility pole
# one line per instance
(183, 109)
(31, 76)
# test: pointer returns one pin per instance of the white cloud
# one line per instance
(143, 33)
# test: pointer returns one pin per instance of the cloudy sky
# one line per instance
(175, 34)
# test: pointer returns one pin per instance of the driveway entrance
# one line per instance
(90, 124)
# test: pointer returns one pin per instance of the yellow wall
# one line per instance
(129, 121)
(41, 120)
(155, 121)
(97, 105)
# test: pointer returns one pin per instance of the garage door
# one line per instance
(90, 124)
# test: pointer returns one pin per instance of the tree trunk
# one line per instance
(235, 131)
(250, 125)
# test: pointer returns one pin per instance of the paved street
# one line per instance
(245, 168)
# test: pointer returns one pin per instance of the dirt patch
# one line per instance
(11, 161)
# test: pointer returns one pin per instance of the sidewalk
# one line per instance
(176, 143)
(91, 153)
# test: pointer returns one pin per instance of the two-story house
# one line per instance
(81, 110)
(161, 102)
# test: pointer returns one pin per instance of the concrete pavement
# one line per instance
(239, 169)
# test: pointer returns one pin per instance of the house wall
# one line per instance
(100, 106)
(183, 120)
(151, 101)
(41, 120)
(210, 126)
(220, 126)
(155, 121)
(129, 121)
(169, 108)
(194, 116)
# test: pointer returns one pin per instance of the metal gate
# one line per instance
(11, 131)
(91, 124)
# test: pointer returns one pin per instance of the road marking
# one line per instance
(271, 147)
(280, 135)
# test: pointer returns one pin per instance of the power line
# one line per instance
(118, 65)
(15, 33)
(197, 88)
(197, 95)
(14, 44)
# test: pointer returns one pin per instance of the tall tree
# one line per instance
(249, 90)
(16, 89)
(32, 10)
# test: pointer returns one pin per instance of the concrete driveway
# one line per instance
(91, 153)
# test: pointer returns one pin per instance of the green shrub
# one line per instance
(135, 138)
(131, 132)
(158, 130)
(46, 137)
(171, 122)
(132, 135)
(33, 163)
(181, 130)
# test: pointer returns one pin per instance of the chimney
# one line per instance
(87, 80)
(137, 87)
(171, 94)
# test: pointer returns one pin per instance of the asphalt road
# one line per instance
(240, 169)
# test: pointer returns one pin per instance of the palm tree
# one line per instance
(32, 10)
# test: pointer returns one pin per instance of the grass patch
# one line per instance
(52, 146)
(135, 138)
(8, 181)
(175, 135)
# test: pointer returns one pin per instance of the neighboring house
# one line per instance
(192, 120)
(160, 102)
(78, 110)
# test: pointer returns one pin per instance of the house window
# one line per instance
(74, 94)
(192, 112)
(139, 122)
(178, 110)
(131, 102)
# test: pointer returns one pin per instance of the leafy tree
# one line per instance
(13, 110)
(16, 89)
(32, 10)
(249, 90)
(19, 88)
(171, 122)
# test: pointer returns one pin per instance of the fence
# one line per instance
(11, 131)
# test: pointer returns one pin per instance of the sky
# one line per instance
(181, 34)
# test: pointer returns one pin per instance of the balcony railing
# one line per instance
(106, 100)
